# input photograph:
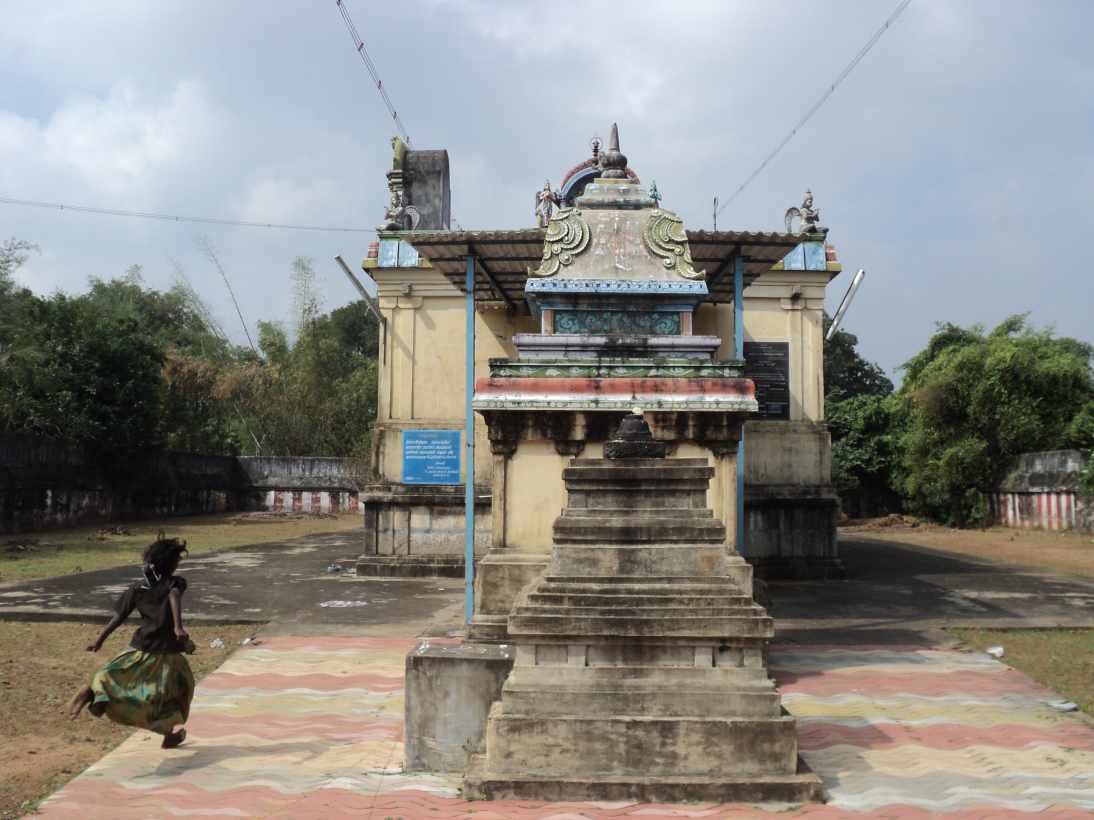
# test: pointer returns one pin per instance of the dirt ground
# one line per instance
(30, 556)
(41, 666)
(1062, 659)
(1062, 552)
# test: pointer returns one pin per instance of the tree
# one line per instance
(846, 373)
(858, 410)
(972, 401)
(84, 378)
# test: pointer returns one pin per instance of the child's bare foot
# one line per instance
(79, 701)
(178, 734)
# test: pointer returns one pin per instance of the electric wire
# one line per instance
(823, 98)
(205, 220)
(359, 44)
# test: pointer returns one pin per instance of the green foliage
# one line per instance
(846, 373)
(1086, 477)
(973, 401)
(83, 377)
(859, 413)
(125, 367)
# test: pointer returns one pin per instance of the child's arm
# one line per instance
(115, 622)
(175, 597)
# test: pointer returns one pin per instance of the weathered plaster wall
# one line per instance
(1042, 492)
(423, 359)
(46, 484)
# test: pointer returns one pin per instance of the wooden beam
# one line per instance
(490, 278)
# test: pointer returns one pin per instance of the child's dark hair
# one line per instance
(161, 559)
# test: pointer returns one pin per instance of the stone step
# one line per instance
(656, 746)
(628, 471)
(751, 626)
(625, 674)
(629, 531)
(800, 787)
(585, 599)
(620, 611)
(653, 463)
(410, 566)
(640, 560)
(653, 701)
(640, 584)
(642, 513)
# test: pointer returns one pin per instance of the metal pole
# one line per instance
(469, 461)
(739, 349)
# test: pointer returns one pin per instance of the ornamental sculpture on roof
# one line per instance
(805, 218)
(567, 236)
(665, 238)
(546, 201)
(615, 231)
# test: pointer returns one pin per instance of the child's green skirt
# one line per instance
(151, 691)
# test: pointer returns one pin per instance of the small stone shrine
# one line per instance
(640, 668)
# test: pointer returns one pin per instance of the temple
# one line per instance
(639, 437)
(551, 301)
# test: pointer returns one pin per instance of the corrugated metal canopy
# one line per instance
(504, 257)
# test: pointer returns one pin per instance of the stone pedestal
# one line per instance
(640, 671)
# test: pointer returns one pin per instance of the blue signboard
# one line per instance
(431, 457)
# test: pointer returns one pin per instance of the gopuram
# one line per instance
(777, 501)
(613, 399)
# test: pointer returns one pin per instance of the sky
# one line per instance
(955, 164)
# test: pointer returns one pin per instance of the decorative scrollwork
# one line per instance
(567, 236)
(665, 238)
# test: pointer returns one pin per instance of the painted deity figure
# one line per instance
(400, 215)
(808, 215)
(546, 200)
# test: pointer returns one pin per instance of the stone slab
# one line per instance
(449, 692)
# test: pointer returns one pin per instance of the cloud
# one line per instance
(954, 164)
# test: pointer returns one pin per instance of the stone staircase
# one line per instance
(640, 668)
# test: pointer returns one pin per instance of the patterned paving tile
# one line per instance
(313, 728)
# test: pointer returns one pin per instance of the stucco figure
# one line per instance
(546, 200)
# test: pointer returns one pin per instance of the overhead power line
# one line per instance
(823, 98)
(205, 220)
(359, 44)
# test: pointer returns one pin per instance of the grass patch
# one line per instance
(1062, 659)
(30, 556)
(41, 667)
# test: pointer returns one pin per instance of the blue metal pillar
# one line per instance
(469, 459)
(739, 352)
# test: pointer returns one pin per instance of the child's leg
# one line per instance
(79, 701)
(174, 738)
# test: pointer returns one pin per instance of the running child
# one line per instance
(149, 685)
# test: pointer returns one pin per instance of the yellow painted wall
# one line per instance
(422, 375)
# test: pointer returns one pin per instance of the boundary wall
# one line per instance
(1042, 492)
(46, 484)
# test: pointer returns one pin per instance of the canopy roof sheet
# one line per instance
(503, 258)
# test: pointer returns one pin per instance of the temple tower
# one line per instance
(641, 657)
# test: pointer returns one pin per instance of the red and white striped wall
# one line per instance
(1037, 510)
(312, 501)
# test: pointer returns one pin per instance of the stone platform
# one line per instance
(640, 670)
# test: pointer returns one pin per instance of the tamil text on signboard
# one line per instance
(768, 365)
(431, 456)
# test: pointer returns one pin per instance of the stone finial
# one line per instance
(613, 163)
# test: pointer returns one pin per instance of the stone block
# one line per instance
(449, 692)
